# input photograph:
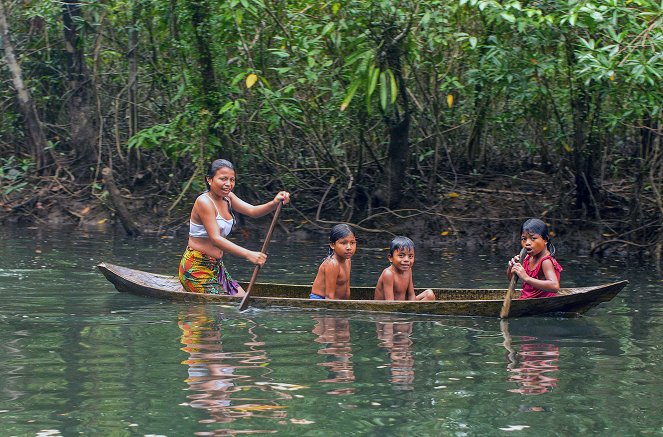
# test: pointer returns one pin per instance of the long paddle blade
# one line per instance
(245, 300)
(506, 305)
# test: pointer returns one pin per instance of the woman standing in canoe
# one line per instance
(212, 220)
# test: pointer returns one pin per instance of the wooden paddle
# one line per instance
(245, 299)
(506, 305)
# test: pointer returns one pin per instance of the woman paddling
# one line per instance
(212, 220)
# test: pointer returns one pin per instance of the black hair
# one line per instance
(216, 165)
(536, 226)
(400, 243)
(337, 232)
(211, 171)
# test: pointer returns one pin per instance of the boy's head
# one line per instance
(401, 253)
(400, 243)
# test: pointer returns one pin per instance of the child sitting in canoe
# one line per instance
(333, 278)
(395, 282)
(539, 271)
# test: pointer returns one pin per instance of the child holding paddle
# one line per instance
(395, 282)
(539, 271)
(333, 278)
(211, 221)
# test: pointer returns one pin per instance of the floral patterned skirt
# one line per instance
(200, 273)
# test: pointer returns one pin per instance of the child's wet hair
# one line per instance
(337, 232)
(216, 165)
(400, 243)
(536, 226)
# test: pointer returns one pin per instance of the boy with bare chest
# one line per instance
(395, 282)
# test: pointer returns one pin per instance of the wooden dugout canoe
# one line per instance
(451, 301)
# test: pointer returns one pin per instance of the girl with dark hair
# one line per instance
(212, 219)
(333, 278)
(539, 271)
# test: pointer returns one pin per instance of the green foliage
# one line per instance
(13, 172)
(187, 135)
(299, 91)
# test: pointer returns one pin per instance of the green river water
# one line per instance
(79, 358)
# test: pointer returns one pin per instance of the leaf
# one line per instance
(473, 41)
(226, 107)
(251, 80)
(508, 17)
(572, 19)
(335, 8)
(383, 90)
(453, 195)
(393, 86)
(351, 93)
(450, 100)
(374, 73)
(444, 233)
(328, 28)
(85, 210)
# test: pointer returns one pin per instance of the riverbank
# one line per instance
(473, 212)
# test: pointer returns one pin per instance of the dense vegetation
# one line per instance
(362, 107)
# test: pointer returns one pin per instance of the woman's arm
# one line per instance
(204, 208)
(255, 211)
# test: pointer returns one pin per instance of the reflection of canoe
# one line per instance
(457, 302)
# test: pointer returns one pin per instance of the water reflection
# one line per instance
(222, 380)
(533, 365)
(334, 335)
(395, 337)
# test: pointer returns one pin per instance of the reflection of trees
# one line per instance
(395, 337)
(221, 380)
(334, 334)
(532, 364)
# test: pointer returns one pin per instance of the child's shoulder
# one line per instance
(329, 263)
(388, 272)
(551, 259)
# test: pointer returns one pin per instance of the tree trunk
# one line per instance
(200, 21)
(81, 102)
(397, 159)
(132, 59)
(129, 225)
(35, 133)
(582, 156)
(397, 120)
(473, 145)
(581, 159)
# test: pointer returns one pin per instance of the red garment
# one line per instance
(529, 291)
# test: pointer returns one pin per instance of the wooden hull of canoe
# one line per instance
(451, 302)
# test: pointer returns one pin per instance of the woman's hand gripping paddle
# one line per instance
(245, 299)
(506, 305)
